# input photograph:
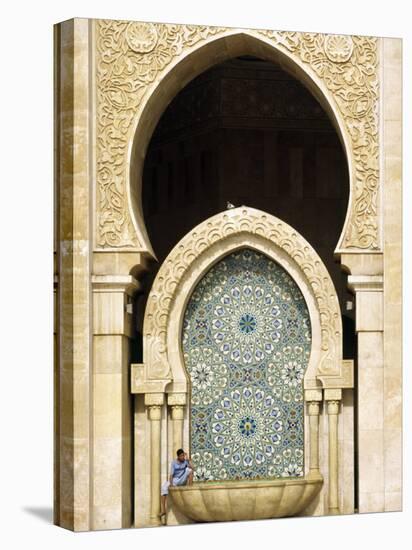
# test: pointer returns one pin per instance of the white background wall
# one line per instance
(26, 399)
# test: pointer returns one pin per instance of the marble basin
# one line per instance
(246, 500)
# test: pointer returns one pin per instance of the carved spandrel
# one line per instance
(241, 220)
(132, 55)
(348, 66)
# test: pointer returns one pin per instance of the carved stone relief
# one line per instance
(130, 56)
(348, 66)
(245, 221)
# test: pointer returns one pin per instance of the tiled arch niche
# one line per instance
(161, 382)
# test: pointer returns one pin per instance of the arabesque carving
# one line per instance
(240, 221)
(130, 56)
(348, 66)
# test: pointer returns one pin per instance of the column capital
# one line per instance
(176, 399)
(333, 407)
(313, 408)
(369, 302)
(362, 263)
(333, 394)
(115, 283)
(155, 412)
(313, 395)
(177, 412)
(121, 262)
(365, 283)
(154, 399)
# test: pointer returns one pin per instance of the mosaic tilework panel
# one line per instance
(246, 344)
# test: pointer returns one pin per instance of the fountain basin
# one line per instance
(246, 500)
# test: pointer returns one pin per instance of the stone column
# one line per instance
(333, 398)
(177, 403)
(313, 398)
(154, 403)
(112, 401)
(370, 383)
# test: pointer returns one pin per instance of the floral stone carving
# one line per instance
(338, 48)
(130, 56)
(182, 260)
(348, 66)
(141, 37)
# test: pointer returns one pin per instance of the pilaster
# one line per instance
(391, 121)
(73, 382)
(112, 403)
(369, 327)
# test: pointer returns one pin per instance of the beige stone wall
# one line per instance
(392, 239)
(93, 405)
(73, 376)
(376, 281)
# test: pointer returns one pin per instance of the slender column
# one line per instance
(313, 411)
(154, 402)
(177, 402)
(177, 418)
(313, 398)
(333, 398)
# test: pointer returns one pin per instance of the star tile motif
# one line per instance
(246, 343)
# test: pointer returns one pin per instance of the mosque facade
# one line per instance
(228, 236)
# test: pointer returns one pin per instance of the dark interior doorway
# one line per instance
(247, 132)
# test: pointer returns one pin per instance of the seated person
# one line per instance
(181, 473)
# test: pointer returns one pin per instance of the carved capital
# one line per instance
(313, 408)
(178, 412)
(333, 407)
(132, 57)
(313, 395)
(176, 399)
(152, 399)
(155, 412)
(334, 394)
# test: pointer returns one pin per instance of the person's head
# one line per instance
(180, 455)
